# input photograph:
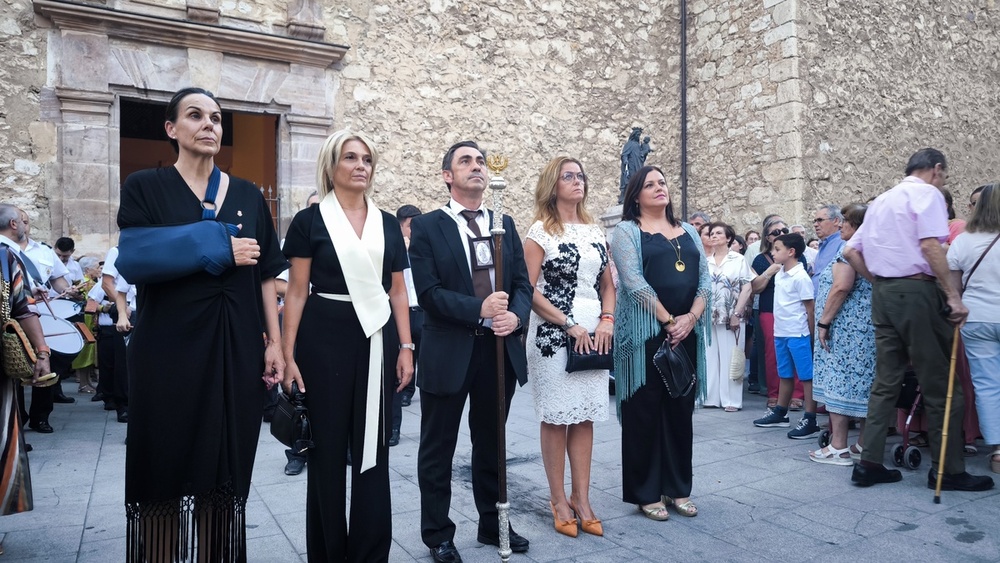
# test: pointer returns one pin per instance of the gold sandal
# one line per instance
(658, 513)
(995, 460)
(686, 508)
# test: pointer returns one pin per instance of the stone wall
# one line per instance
(27, 145)
(531, 80)
(884, 79)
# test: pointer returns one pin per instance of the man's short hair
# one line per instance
(832, 211)
(925, 159)
(701, 215)
(793, 240)
(407, 211)
(8, 213)
(450, 155)
(65, 244)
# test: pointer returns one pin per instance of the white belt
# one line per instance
(369, 452)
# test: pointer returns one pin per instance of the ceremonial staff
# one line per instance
(496, 164)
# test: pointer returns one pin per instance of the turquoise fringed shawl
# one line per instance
(635, 312)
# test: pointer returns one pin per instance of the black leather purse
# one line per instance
(576, 361)
(290, 424)
(675, 369)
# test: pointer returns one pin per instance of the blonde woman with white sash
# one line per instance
(346, 314)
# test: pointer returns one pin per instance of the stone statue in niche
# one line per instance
(634, 155)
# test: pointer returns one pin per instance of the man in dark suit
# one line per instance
(454, 277)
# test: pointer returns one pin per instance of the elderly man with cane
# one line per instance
(914, 309)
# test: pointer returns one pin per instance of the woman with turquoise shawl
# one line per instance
(663, 291)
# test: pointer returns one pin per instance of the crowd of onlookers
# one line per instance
(836, 321)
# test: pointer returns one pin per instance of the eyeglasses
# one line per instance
(777, 232)
(569, 177)
(817, 221)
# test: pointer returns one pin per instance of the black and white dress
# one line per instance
(570, 280)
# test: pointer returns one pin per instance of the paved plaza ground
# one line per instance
(759, 496)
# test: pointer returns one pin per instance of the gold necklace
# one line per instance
(679, 265)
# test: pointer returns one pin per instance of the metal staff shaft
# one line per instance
(497, 185)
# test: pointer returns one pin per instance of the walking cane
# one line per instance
(947, 416)
(496, 164)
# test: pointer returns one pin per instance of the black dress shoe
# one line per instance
(394, 438)
(41, 426)
(518, 543)
(406, 400)
(866, 476)
(109, 406)
(122, 415)
(27, 447)
(445, 552)
(99, 396)
(960, 481)
(63, 399)
(296, 463)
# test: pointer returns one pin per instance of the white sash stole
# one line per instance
(361, 262)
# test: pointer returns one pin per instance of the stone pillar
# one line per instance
(84, 203)
(300, 143)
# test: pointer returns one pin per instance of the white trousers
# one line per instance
(723, 391)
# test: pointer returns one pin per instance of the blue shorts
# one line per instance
(795, 357)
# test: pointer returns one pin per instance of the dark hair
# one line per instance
(811, 240)
(450, 155)
(742, 242)
(854, 213)
(728, 230)
(173, 108)
(65, 244)
(747, 234)
(407, 211)
(925, 159)
(793, 241)
(979, 189)
(630, 205)
(767, 219)
(949, 201)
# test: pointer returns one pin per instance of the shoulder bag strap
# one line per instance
(4, 264)
(976, 265)
(210, 193)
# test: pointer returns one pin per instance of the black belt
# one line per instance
(482, 331)
(918, 277)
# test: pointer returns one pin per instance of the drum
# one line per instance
(63, 308)
(61, 335)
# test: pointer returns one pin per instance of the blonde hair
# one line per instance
(329, 157)
(545, 196)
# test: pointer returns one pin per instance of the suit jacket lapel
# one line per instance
(452, 237)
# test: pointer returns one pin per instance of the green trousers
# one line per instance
(911, 328)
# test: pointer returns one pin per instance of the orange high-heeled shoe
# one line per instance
(592, 527)
(565, 527)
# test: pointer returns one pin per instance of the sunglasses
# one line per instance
(777, 232)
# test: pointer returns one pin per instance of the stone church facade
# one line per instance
(791, 103)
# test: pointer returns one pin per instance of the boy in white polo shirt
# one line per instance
(793, 327)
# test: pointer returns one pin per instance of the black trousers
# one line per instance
(658, 435)
(439, 425)
(113, 378)
(416, 328)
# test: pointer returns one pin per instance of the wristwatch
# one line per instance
(570, 323)
(410, 346)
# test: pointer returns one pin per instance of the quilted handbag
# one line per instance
(675, 369)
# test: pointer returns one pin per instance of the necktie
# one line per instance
(480, 277)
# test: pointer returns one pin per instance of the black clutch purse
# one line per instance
(290, 424)
(675, 369)
(576, 361)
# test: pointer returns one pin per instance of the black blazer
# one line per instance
(443, 284)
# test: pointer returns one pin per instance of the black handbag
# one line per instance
(290, 424)
(576, 361)
(675, 369)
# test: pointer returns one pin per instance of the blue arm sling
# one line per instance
(161, 254)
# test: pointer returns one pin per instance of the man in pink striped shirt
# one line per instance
(914, 310)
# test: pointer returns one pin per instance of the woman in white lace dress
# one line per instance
(567, 259)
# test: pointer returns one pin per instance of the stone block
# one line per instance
(781, 170)
(788, 145)
(761, 23)
(751, 90)
(783, 118)
(784, 12)
(43, 141)
(148, 67)
(789, 91)
(761, 102)
(83, 61)
(772, 3)
(85, 181)
(85, 145)
(783, 31)
(205, 68)
(784, 69)
(790, 47)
